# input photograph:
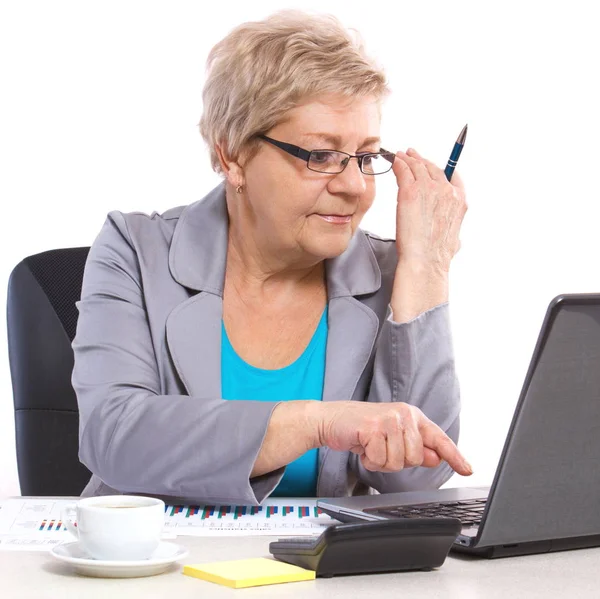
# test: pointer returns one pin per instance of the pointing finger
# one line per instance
(430, 458)
(435, 438)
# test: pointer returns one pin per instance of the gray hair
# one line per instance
(262, 69)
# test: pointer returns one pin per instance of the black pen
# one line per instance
(458, 146)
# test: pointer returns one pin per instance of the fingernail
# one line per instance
(468, 467)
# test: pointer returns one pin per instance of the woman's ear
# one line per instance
(231, 168)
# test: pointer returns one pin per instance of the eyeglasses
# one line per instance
(334, 162)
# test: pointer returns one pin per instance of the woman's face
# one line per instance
(291, 206)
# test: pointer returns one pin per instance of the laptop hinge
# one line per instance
(464, 540)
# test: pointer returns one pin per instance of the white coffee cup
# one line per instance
(117, 527)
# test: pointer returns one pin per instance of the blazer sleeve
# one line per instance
(131, 436)
(414, 363)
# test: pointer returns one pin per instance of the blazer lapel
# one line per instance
(352, 333)
(194, 338)
(197, 259)
(352, 325)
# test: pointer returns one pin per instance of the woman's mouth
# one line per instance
(336, 219)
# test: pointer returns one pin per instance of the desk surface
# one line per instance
(565, 574)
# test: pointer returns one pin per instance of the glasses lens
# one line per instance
(376, 164)
(327, 161)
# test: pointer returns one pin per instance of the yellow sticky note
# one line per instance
(255, 572)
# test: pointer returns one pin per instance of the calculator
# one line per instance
(368, 547)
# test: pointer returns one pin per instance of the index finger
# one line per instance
(436, 173)
(402, 170)
(435, 438)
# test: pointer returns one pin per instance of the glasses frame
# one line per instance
(306, 154)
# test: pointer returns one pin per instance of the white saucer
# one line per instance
(164, 555)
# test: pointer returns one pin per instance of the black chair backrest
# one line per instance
(42, 319)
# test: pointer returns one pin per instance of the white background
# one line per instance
(99, 105)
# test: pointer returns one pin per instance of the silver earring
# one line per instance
(239, 189)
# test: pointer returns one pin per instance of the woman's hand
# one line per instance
(387, 436)
(429, 213)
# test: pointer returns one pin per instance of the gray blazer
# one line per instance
(148, 363)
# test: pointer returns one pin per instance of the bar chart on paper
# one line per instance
(296, 517)
(32, 524)
(35, 524)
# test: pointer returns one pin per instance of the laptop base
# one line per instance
(532, 548)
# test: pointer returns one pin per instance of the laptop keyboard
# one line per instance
(469, 512)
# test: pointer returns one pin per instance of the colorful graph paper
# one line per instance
(36, 523)
(277, 517)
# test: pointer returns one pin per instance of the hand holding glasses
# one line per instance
(427, 199)
(334, 162)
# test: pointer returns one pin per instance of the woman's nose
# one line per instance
(352, 178)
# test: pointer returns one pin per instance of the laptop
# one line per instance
(545, 495)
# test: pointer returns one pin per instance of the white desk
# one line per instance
(565, 575)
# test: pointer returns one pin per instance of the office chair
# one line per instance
(41, 319)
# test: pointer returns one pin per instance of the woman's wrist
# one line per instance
(418, 287)
(314, 414)
(293, 430)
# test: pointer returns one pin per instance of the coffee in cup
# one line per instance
(117, 527)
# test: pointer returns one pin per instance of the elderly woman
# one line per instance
(258, 342)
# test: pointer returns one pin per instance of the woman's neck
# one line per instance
(259, 271)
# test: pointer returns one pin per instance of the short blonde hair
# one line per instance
(262, 69)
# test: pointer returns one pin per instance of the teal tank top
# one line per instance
(303, 379)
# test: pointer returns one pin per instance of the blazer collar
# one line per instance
(202, 231)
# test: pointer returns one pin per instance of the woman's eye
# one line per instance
(322, 157)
